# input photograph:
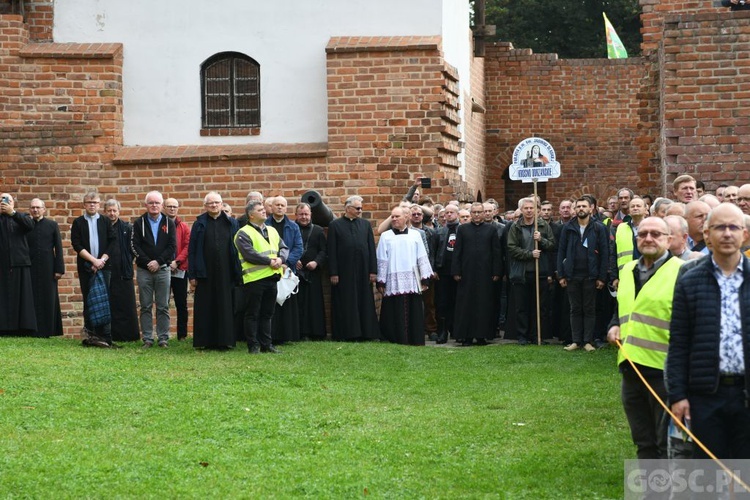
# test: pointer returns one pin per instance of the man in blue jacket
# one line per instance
(709, 343)
(582, 260)
(285, 325)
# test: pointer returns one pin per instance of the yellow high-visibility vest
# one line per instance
(624, 244)
(644, 320)
(254, 272)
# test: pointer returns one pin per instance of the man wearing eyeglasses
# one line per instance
(179, 266)
(154, 246)
(641, 324)
(93, 238)
(709, 345)
(352, 264)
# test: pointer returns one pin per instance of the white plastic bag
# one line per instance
(287, 286)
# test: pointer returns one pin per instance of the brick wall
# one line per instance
(474, 106)
(706, 76)
(392, 115)
(596, 113)
(653, 13)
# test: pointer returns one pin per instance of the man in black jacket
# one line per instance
(154, 246)
(93, 238)
(582, 260)
(709, 344)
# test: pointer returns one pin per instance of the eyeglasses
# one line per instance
(153, 203)
(358, 209)
(91, 202)
(723, 227)
(654, 234)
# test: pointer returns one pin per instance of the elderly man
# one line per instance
(403, 273)
(312, 314)
(695, 214)
(154, 246)
(684, 189)
(625, 247)
(731, 193)
(352, 265)
(709, 337)
(93, 239)
(17, 316)
(262, 254)
(47, 267)
(476, 266)
(446, 287)
(528, 250)
(641, 324)
(624, 195)
(743, 198)
(121, 286)
(213, 271)
(179, 266)
(678, 229)
(285, 326)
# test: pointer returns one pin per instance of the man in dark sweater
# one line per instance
(154, 246)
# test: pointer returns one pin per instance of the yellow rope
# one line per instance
(679, 422)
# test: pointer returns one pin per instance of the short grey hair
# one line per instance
(112, 203)
(352, 199)
(528, 199)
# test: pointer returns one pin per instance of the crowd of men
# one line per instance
(666, 279)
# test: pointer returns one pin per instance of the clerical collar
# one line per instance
(400, 231)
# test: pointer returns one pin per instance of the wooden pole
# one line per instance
(536, 274)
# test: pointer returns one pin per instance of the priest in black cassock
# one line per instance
(404, 272)
(17, 316)
(213, 270)
(476, 266)
(312, 314)
(121, 285)
(47, 267)
(352, 265)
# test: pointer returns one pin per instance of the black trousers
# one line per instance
(524, 300)
(582, 296)
(722, 422)
(445, 299)
(260, 302)
(179, 292)
(648, 427)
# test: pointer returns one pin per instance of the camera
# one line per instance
(426, 182)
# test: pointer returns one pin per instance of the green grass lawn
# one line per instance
(321, 420)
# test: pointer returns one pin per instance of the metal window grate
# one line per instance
(231, 91)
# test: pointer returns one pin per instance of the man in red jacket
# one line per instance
(179, 266)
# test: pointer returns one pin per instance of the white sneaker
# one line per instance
(589, 348)
(572, 347)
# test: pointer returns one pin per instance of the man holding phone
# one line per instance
(17, 315)
(413, 194)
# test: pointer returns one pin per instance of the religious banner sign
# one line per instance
(534, 160)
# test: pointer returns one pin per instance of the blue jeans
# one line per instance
(154, 287)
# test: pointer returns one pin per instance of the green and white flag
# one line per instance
(615, 48)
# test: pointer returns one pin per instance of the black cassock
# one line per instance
(17, 316)
(351, 257)
(45, 250)
(213, 321)
(312, 314)
(476, 258)
(122, 287)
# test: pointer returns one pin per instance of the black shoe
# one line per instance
(599, 344)
(254, 349)
(523, 341)
(112, 345)
(270, 349)
(466, 343)
(432, 337)
(482, 342)
(148, 345)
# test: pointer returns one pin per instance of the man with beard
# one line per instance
(403, 273)
(582, 263)
(213, 270)
(312, 314)
(17, 316)
(285, 326)
(352, 265)
(47, 267)
(93, 239)
(121, 286)
(476, 266)
(641, 324)
(446, 286)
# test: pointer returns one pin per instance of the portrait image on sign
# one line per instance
(534, 158)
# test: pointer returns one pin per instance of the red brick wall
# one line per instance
(474, 106)
(706, 99)
(595, 113)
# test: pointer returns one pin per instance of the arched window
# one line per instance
(230, 84)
